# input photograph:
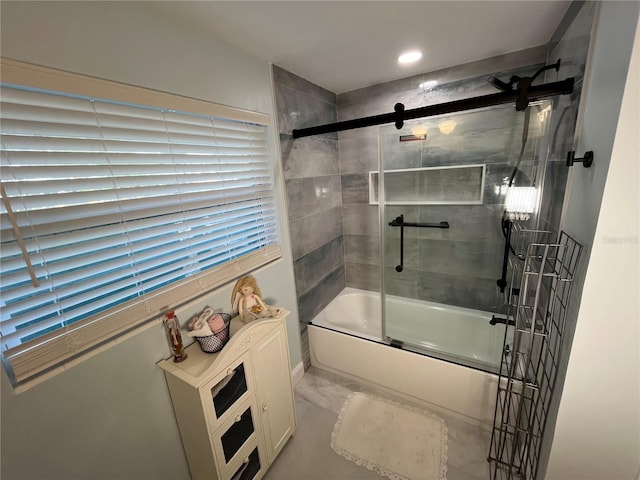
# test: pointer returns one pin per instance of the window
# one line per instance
(113, 211)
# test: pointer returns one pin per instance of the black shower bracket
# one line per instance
(524, 94)
(398, 108)
(399, 222)
(587, 160)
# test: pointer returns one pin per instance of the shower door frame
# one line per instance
(382, 206)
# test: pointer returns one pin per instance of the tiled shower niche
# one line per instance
(452, 185)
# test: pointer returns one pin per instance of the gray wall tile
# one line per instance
(410, 257)
(284, 77)
(360, 219)
(309, 156)
(363, 276)
(297, 110)
(358, 151)
(311, 269)
(313, 189)
(311, 232)
(307, 196)
(401, 284)
(460, 290)
(312, 302)
(480, 223)
(399, 155)
(362, 249)
(355, 188)
(476, 259)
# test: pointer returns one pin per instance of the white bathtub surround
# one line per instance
(392, 439)
(353, 311)
(456, 334)
(440, 385)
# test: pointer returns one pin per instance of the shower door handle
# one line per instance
(399, 222)
(400, 267)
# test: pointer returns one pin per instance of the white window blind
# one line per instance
(113, 212)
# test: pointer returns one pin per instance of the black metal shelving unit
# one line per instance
(541, 278)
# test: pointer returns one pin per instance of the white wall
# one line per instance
(597, 434)
(111, 416)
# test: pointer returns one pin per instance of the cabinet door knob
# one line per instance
(230, 372)
(238, 418)
(246, 460)
(264, 407)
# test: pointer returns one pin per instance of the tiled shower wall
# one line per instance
(336, 232)
(458, 266)
(312, 184)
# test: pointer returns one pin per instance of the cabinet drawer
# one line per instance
(228, 390)
(238, 431)
(250, 464)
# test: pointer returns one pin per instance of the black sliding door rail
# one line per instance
(521, 96)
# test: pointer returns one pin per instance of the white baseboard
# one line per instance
(297, 373)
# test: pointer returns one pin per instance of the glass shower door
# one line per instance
(442, 193)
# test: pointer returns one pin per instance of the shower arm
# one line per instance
(522, 96)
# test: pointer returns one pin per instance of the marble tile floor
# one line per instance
(308, 455)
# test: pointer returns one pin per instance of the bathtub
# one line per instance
(452, 369)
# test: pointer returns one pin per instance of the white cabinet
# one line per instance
(235, 408)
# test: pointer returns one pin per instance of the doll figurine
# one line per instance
(247, 302)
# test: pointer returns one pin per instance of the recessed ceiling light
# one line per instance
(410, 57)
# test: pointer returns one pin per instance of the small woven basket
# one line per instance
(214, 343)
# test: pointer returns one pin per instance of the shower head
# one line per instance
(508, 87)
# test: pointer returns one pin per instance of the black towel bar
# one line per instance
(399, 222)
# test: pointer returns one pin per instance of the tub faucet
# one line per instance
(494, 320)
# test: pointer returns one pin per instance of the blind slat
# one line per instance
(66, 219)
(150, 226)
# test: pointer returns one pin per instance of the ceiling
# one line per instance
(345, 45)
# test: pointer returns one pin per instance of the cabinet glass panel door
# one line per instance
(237, 434)
(249, 468)
(229, 390)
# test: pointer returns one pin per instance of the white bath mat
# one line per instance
(394, 440)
